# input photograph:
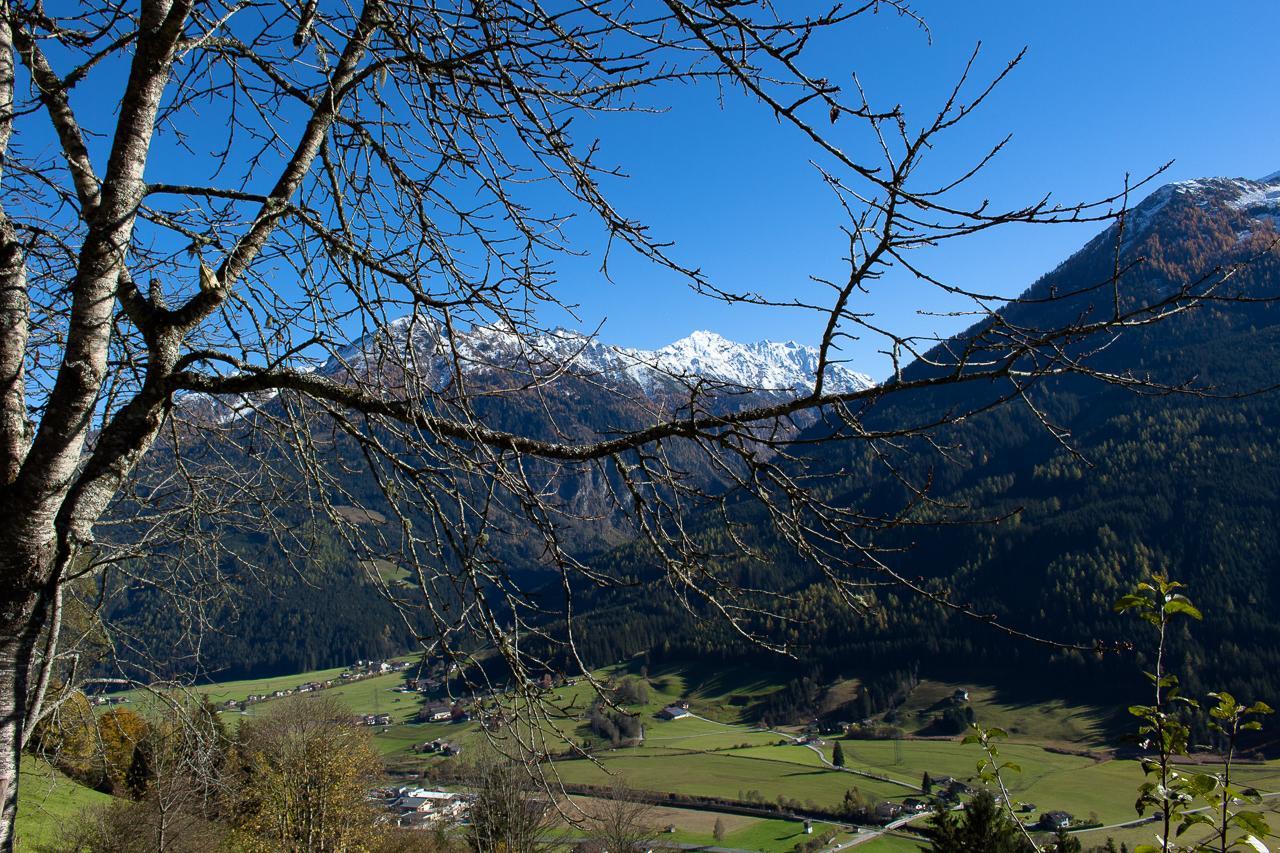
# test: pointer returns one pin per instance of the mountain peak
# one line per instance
(1256, 199)
(764, 366)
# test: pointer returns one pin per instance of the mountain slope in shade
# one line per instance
(1188, 485)
(1184, 484)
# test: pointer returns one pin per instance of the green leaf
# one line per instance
(1181, 604)
(1252, 822)
(1129, 602)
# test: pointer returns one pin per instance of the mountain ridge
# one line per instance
(764, 366)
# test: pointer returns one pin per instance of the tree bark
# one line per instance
(23, 611)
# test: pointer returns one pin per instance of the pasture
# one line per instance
(47, 800)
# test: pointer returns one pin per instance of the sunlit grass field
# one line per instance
(722, 756)
(47, 800)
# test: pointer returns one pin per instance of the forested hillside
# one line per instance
(1186, 483)
(1123, 483)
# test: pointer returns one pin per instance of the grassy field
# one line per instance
(1046, 721)
(722, 774)
(890, 844)
(721, 756)
(692, 826)
(726, 758)
(46, 800)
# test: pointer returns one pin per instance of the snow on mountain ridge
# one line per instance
(764, 365)
(1256, 199)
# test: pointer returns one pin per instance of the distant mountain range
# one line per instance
(1181, 483)
(765, 366)
(419, 351)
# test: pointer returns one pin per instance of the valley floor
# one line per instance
(714, 754)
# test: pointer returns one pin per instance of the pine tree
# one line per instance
(138, 777)
(1065, 842)
(837, 756)
(718, 831)
(984, 828)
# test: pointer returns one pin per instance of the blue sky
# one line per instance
(1106, 88)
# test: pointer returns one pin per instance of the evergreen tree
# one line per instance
(138, 777)
(984, 828)
(837, 756)
(1065, 842)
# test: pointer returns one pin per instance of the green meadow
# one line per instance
(716, 754)
(47, 799)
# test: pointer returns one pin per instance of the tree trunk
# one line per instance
(23, 610)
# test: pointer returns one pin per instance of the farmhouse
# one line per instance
(673, 712)
(1055, 820)
(436, 713)
(889, 811)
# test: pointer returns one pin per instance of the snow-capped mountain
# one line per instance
(1254, 199)
(765, 365)
(420, 345)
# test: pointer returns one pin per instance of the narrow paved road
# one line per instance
(818, 750)
(867, 833)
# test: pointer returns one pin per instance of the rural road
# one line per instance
(821, 756)
(866, 834)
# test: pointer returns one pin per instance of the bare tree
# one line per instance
(282, 178)
(510, 810)
(622, 820)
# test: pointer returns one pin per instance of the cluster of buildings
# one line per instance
(439, 746)
(419, 808)
(360, 669)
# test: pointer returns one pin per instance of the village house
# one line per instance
(436, 713)
(889, 811)
(1055, 820)
(673, 712)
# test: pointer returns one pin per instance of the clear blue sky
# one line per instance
(1107, 87)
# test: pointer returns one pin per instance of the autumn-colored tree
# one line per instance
(120, 732)
(68, 737)
(304, 768)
